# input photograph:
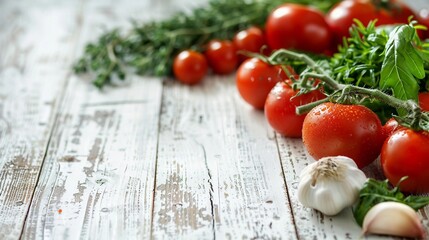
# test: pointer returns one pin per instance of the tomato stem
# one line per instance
(307, 107)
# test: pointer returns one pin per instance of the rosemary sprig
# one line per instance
(149, 49)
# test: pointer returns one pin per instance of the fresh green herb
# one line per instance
(403, 64)
(149, 49)
(369, 60)
(359, 60)
(374, 192)
(348, 93)
(372, 58)
(382, 57)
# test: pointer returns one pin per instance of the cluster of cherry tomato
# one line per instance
(222, 56)
(329, 129)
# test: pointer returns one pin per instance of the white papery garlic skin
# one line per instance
(330, 184)
(393, 218)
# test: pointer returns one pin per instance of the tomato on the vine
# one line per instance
(424, 101)
(294, 26)
(406, 153)
(221, 56)
(189, 67)
(255, 79)
(280, 109)
(349, 130)
(251, 39)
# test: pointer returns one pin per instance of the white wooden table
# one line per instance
(152, 159)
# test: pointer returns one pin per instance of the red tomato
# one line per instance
(340, 17)
(189, 67)
(400, 12)
(348, 130)
(294, 26)
(390, 127)
(423, 18)
(251, 40)
(424, 101)
(255, 79)
(221, 56)
(280, 109)
(405, 153)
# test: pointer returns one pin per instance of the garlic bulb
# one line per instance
(393, 218)
(330, 184)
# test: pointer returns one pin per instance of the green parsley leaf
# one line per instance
(402, 64)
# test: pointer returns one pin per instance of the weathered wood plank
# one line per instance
(36, 48)
(98, 176)
(218, 171)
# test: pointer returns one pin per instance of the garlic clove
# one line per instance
(393, 218)
(330, 184)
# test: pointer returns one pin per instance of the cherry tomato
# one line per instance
(348, 130)
(280, 109)
(294, 26)
(189, 67)
(251, 40)
(255, 79)
(221, 56)
(424, 101)
(405, 153)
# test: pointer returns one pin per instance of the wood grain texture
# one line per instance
(218, 171)
(98, 176)
(34, 63)
(100, 165)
